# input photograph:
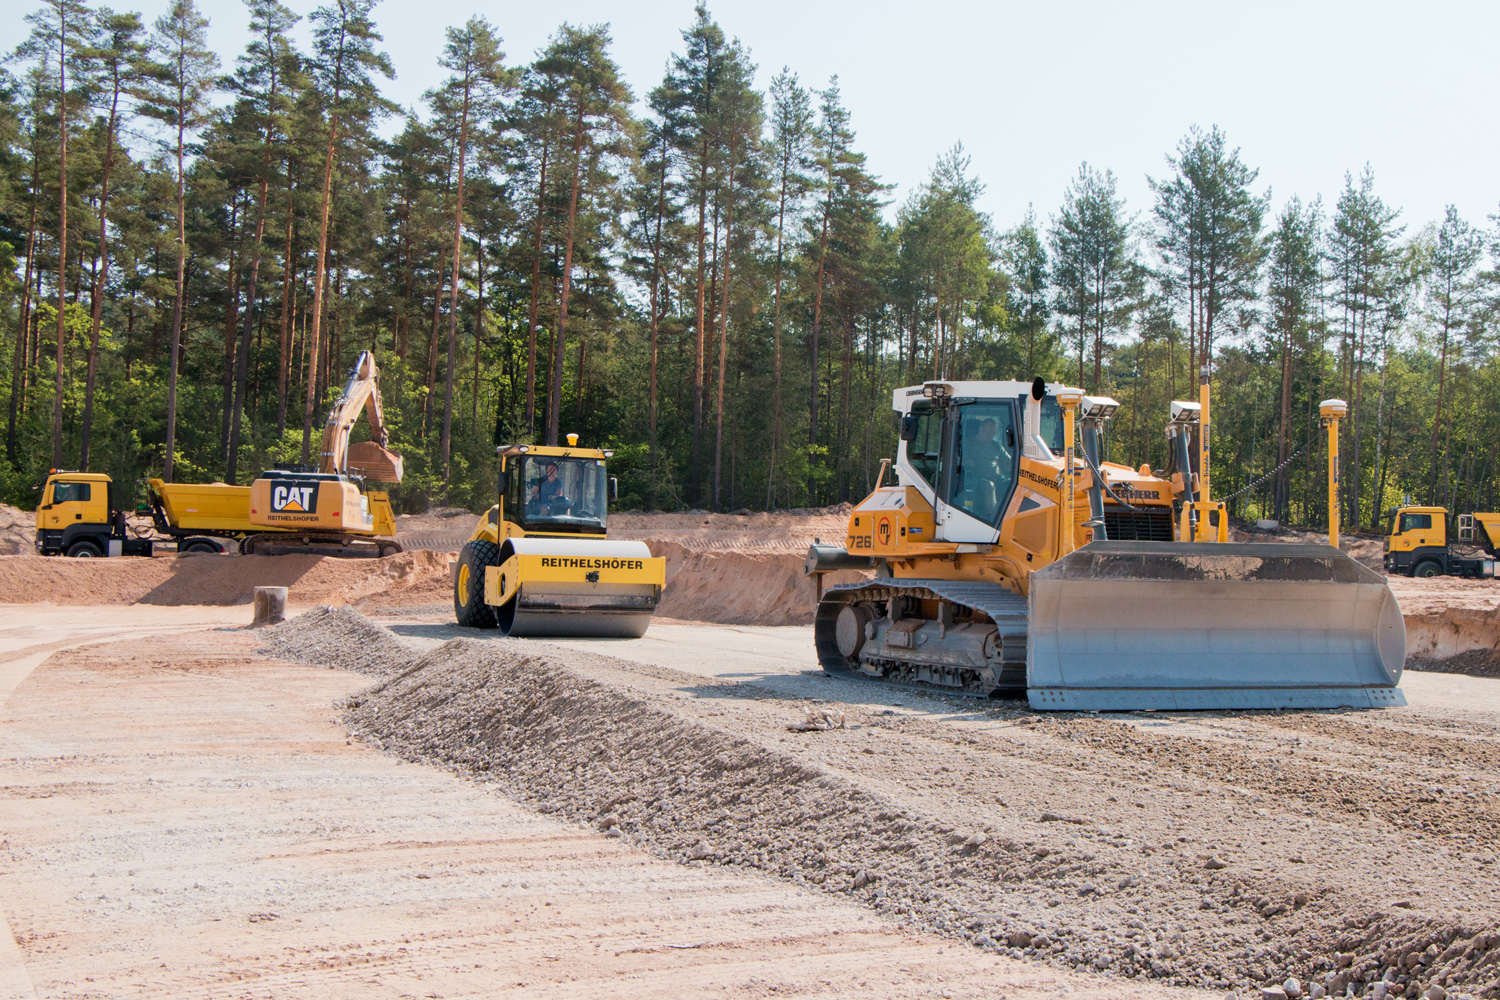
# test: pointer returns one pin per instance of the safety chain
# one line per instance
(1267, 476)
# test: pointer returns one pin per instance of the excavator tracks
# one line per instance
(939, 635)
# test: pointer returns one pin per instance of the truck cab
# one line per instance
(77, 516)
(1417, 543)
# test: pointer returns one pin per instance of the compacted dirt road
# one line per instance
(184, 817)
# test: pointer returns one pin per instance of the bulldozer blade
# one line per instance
(1127, 626)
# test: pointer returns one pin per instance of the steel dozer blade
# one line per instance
(1122, 626)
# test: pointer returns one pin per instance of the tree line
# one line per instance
(708, 277)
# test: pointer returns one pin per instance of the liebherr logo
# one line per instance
(297, 498)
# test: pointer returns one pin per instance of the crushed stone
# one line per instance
(337, 637)
(517, 715)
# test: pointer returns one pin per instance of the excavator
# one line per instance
(994, 575)
(304, 510)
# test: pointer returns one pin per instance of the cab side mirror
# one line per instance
(614, 488)
(909, 427)
(504, 481)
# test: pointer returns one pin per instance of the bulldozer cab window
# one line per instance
(1416, 522)
(564, 494)
(925, 448)
(984, 459)
(71, 492)
(1052, 425)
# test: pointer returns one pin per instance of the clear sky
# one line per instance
(1308, 90)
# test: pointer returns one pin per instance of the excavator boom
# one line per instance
(367, 459)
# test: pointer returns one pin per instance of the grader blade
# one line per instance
(1122, 626)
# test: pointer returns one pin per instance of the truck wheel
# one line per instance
(84, 550)
(468, 585)
(202, 547)
(1427, 569)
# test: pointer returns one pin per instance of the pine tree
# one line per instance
(1451, 295)
(267, 81)
(791, 143)
(1294, 283)
(178, 97)
(343, 66)
(1093, 253)
(472, 54)
(595, 103)
(118, 58)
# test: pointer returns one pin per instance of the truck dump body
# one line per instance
(1119, 626)
(206, 507)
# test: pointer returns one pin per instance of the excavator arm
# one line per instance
(367, 459)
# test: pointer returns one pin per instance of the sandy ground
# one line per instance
(185, 818)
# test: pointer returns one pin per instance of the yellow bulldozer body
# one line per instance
(1007, 558)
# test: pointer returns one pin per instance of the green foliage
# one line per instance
(715, 289)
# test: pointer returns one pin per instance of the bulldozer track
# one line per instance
(1007, 610)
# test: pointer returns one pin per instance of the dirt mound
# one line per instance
(337, 637)
(17, 530)
(609, 756)
(408, 578)
(738, 588)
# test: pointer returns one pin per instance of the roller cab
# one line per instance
(540, 562)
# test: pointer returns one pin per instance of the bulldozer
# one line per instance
(330, 507)
(1008, 562)
(540, 563)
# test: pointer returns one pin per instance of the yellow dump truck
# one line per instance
(78, 516)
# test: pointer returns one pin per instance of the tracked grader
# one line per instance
(1006, 562)
(540, 562)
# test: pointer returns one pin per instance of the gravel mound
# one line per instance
(514, 714)
(337, 637)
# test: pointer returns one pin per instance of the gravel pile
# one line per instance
(629, 766)
(337, 637)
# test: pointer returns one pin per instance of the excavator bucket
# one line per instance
(369, 460)
(1125, 626)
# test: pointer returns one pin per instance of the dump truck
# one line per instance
(1418, 543)
(78, 516)
(540, 562)
(1006, 562)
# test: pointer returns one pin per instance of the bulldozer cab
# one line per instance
(70, 498)
(562, 491)
(961, 449)
(1412, 528)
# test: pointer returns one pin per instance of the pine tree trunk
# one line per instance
(174, 362)
(723, 336)
(661, 209)
(812, 408)
(319, 278)
(693, 463)
(62, 230)
(536, 296)
(100, 278)
(432, 343)
(786, 168)
(242, 353)
(23, 329)
(285, 337)
(458, 232)
(554, 403)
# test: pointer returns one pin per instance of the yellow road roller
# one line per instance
(539, 562)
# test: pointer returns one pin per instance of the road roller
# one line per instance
(540, 563)
(1008, 560)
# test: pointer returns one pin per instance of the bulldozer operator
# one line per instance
(985, 469)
